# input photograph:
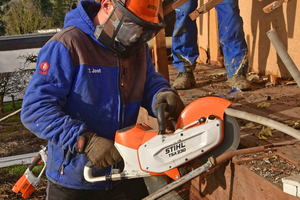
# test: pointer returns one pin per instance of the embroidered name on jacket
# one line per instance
(94, 71)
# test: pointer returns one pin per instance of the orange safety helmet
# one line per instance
(145, 9)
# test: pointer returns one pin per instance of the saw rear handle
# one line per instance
(162, 125)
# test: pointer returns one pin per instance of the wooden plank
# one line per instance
(272, 6)
(195, 195)
(205, 8)
(203, 57)
(160, 51)
(147, 119)
(263, 58)
(231, 181)
(203, 35)
(214, 44)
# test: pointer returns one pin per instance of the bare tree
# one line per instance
(14, 82)
(4, 79)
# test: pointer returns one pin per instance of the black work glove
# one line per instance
(100, 151)
(174, 103)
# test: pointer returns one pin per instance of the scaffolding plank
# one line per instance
(23, 159)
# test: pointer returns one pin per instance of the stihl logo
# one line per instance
(175, 149)
(152, 7)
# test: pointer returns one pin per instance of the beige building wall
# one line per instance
(263, 58)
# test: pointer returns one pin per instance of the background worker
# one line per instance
(231, 36)
(91, 79)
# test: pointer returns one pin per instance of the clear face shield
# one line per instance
(124, 33)
(128, 33)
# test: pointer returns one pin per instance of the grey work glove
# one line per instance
(100, 151)
(174, 103)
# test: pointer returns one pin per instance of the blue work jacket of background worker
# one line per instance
(80, 85)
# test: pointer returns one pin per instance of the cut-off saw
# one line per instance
(202, 130)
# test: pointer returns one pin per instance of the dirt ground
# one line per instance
(15, 139)
(279, 102)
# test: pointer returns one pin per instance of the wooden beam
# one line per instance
(160, 51)
(275, 4)
(205, 8)
(214, 39)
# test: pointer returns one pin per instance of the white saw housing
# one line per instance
(165, 152)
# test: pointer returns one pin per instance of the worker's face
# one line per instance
(123, 32)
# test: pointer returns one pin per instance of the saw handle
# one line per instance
(89, 164)
(35, 161)
(87, 174)
(161, 119)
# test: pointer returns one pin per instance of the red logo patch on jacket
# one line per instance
(44, 67)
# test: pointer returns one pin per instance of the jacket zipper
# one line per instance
(122, 78)
(122, 71)
(122, 85)
(121, 108)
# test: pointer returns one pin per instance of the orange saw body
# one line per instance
(201, 130)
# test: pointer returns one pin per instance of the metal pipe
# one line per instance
(283, 54)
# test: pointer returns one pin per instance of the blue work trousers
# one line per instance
(231, 36)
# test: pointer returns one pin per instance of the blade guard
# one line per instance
(28, 182)
(206, 106)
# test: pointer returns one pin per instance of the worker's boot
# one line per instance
(185, 80)
(238, 81)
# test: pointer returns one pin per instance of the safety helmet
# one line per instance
(131, 24)
(146, 10)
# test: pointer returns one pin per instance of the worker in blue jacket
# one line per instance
(231, 36)
(91, 79)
